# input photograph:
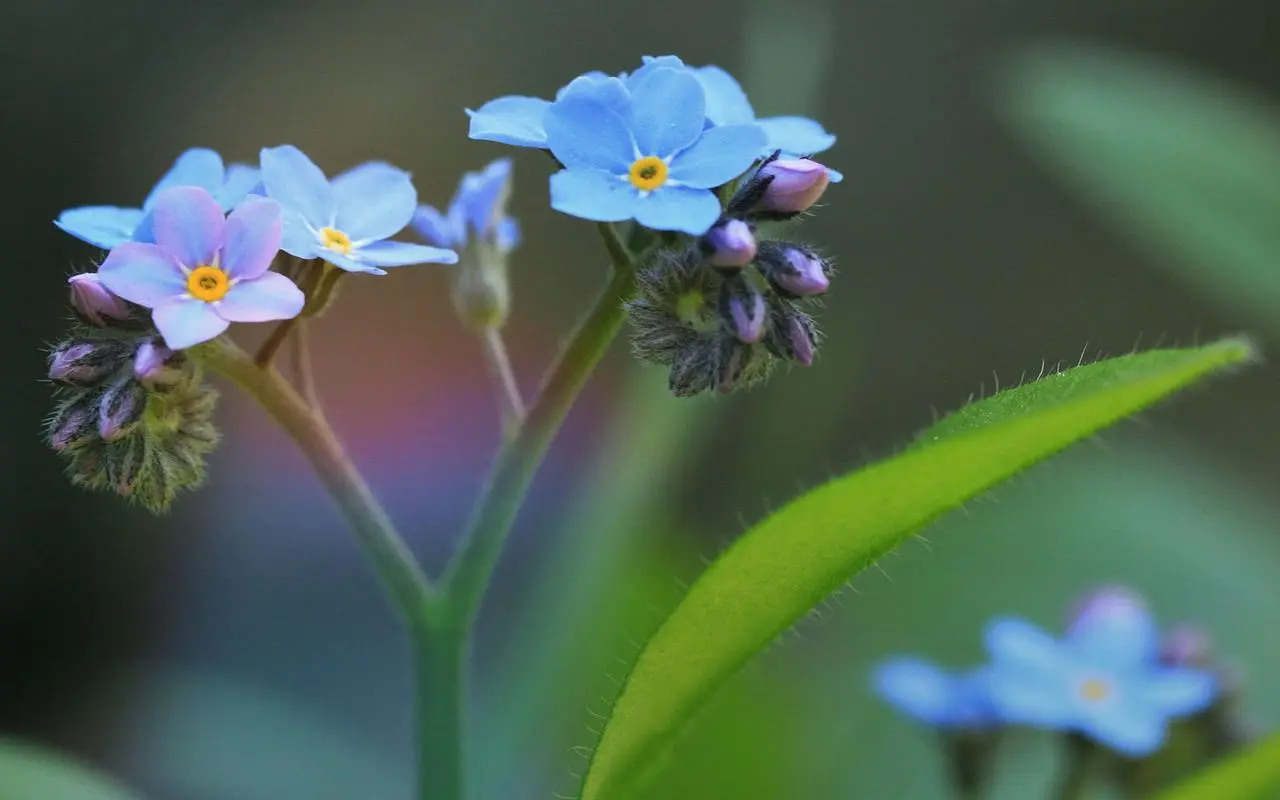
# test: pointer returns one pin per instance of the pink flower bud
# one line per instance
(794, 271)
(730, 244)
(151, 363)
(797, 184)
(94, 301)
(743, 310)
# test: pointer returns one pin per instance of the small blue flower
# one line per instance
(346, 221)
(478, 209)
(108, 226)
(934, 696)
(641, 152)
(1101, 679)
(204, 271)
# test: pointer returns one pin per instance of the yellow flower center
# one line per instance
(1095, 690)
(336, 240)
(648, 173)
(208, 283)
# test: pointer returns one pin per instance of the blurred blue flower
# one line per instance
(346, 221)
(1102, 679)
(204, 271)
(478, 209)
(641, 152)
(934, 696)
(108, 226)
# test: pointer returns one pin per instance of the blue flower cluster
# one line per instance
(1105, 678)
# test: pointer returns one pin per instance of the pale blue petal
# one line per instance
(252, 237)
(146, 230)
(347, 263)
(1021, 697)
(374, 201)
(403, 254)
(720, 155)
(507, 235)
(600, 88)
(651, 63)
(668, 110)
(189, 224)
(102, 226)
(585, 134)
(1018, 645)
(435, 227)
(298, 239)
(1120, 636)
(484, 195)
(678, 208)
(199, 166)
(268, 297)
(1131, 734)
(796, 135)
(186, 323)
(146, 274)
(513, 120)
(240, 181)
(918, 688)
(726, 102)
(295, 182)
(1179, 692)
(835, 176)
(593, 75)
(593, 194)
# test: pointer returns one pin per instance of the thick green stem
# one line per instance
(1073, 778)
(441, 669)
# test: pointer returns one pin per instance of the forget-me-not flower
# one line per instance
(346, 221)
(642, 152)
(204, 270)
(477, 212)
(108, 226)
(1102, 679)
(934, 696)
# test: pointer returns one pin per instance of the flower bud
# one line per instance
(795, 184)
(742, 309)
(1186, 646)
(74, 422)
(733, 362)
(793, 271)
(85, 362)
(729, 244)
(152, 363)
(121, 409)
(693, 371)
(94, 302)
(792, 335)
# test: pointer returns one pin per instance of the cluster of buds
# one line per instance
(725, 309)
(132, 416)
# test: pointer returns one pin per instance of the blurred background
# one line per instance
(238, 649)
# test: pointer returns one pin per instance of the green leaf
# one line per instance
(1251, 775)
(792, 560)
(1183, 164)
(28, 772)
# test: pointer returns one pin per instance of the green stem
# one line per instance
(441, 671)
(1073, 778)
(509, 399)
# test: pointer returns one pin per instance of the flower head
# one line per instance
(108, 226)
(477, 211)
(346, 221)
(934, 696)
(641, 152)
(204, 271)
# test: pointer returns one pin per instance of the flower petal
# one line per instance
(295, 182)
(651, 63)
(678, 208)
(241, 180)
(189, 224)
(253, 234)
(1179, 692)
(267, 297)
(299, 238)
(1120, 636)
(435, 227)
(918, 688)
(512, 120)
(1023, 698)
(834, 175)
(604, 89)
(720, 155)
(146, 274)
(726, 102)
(668, 111)
(585, 133)
(402, 254)
(347, 263)
(1019, 645)
(507, 235)
(1128, 729)
(185, 323)
(593, 194)
(482, 196)
(199, 166)
(102, 226)
(798, 136)
(374, 201)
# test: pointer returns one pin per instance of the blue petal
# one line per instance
(146, 274)
(1018, 645)
(483, 195)
(299, 238)
(374, 201)
(268, 297)
(347, 263)
(295, 182)
(920, 689)
(726, 102)
(1179, 692)
(402, 254)
(185, 323)
(1118, 636)
(797, 135)
(720, 155)
(507, 235)
(189, 224)
(435, 227)
(513, 120)
(604, 89)
(651, 63)
(668, 111)
(241, 179)
(586, 134)
(593, 194)
(199, 166)
(678, 208)
(252, 238)
(834, 176)
(1021, 697)
(102, 226)
(1128, 729)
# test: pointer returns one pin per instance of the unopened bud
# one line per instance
(743, 309)
(792, 335)
(85, 362)
(693, 371)
(94, 302)
(121, 409)
(729, 245)
(152, 363)
(793, 271)
(1186, 646)
(74, 422)
(795, 184)
(733, 362)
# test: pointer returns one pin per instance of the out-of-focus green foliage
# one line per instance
(28, 772)
(1251, 775)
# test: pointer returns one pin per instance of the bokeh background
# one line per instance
(238, 649)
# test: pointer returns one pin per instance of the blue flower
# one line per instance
(641, 152)
(346, 221)
(1102, 679)
(934, 696)
(478, 209)
(204, 271)
(108, 226)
